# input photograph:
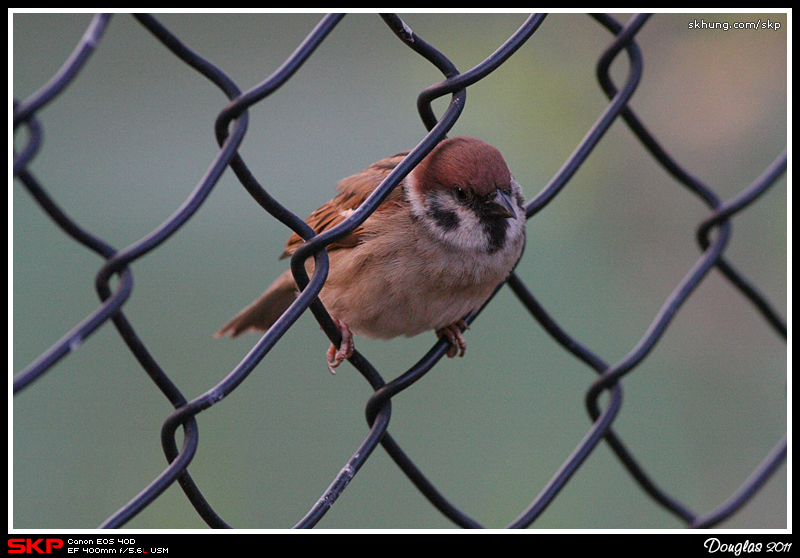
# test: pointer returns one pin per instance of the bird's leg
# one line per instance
(453, 334)
(346, 348)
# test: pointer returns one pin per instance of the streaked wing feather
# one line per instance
(353, 191)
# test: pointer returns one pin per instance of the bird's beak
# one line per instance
(501, 206)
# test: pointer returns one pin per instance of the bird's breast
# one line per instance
(405, 284)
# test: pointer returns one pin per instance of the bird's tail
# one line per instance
(265, 310)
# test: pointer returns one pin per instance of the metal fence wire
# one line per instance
(713, 235)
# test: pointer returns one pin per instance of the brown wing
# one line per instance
(353, 190)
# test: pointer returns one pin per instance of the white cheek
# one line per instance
(468, 235)
(414, 197)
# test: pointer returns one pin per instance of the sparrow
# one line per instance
(433, 251)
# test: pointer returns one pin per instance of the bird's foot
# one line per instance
(452, 333)
(345, 350)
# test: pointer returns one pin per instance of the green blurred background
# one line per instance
(130, 138)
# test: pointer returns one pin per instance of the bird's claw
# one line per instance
(452, 333)
(346, 348)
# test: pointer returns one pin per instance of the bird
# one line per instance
(432, 252)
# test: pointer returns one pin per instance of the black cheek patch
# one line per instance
(445, 218)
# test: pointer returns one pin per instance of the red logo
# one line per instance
(29, 546)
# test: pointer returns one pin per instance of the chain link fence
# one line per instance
(180, 433)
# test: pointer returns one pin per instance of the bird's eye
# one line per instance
(461, 194)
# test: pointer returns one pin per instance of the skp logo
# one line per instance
(30, 546)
